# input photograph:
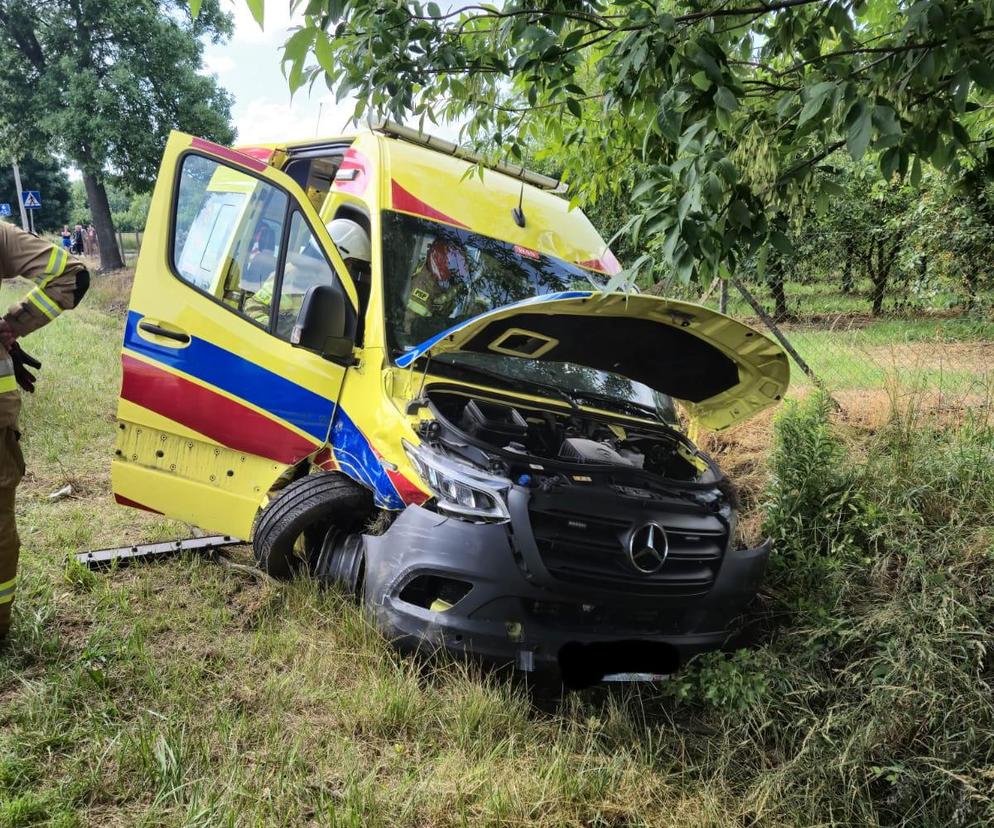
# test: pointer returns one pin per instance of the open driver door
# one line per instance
(216, 403)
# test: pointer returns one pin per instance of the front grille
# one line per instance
(592, 549)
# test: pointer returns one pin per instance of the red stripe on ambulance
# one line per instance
(228, 154)
(408, 492)
(134, 504)
(405, 201)
(353, 175)
(209, 413)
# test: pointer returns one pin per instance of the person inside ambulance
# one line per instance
(308, 268)
(262, 259)
(437, 289)
(353, 245)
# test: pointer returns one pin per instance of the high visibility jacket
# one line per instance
(291, 299)
(429, 298)
(60, 281)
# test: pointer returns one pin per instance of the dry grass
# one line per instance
(111, 291)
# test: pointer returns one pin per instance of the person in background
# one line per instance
(60, 282)
(66, 236)
(90, 240)
(77, 241)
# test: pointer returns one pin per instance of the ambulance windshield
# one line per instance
(437, 276)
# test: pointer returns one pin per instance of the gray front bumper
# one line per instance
(496, 622)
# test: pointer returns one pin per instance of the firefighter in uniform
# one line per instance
(437, 287)
(60, 281)
(353, 246)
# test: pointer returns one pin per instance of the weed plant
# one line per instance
(871, 701)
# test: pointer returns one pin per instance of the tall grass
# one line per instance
(872, 699)
(185, 693)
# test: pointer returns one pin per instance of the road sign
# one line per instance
(4, 210)
(32, 199)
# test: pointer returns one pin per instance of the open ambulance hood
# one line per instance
(719, 369)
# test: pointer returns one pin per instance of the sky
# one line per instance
(248, 66)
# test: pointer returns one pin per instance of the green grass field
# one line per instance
(941, 348)
(190, 693)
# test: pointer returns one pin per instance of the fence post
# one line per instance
(703, 300)
(138, 243)
(120, 246)
(723, 297)
(782, 339)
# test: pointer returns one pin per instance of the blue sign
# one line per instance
(4, 209)
(31, 199)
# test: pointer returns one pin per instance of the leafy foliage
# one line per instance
(733, 108)
(874, 683)
(103, 83)
(42, 174)
(129, 210)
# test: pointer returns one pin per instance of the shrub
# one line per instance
(872, 701)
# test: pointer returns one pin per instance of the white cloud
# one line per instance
(276, 21)
(264, 120)
(217, 64)
(249, 68)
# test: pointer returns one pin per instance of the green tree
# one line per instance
(735, 109)
(952, 237)
(102, 82)
(44, 174)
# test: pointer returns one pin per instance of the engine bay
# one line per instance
(520, 437)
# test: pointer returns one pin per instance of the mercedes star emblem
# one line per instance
(648, 548)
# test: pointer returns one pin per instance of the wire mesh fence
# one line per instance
(865, 316)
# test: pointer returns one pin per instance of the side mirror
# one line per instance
(320, 325)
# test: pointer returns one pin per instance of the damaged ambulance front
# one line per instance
(573, 525)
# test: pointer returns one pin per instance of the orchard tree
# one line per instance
(953, 236)
(733, 110)
(102, 82)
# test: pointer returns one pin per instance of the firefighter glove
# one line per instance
(22, 361)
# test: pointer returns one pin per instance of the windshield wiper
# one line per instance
(512, 382)
(622, 406)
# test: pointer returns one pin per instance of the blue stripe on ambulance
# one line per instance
(279, 396)
(358, 460)
(209, 363)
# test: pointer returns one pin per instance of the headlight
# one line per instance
(460, 489)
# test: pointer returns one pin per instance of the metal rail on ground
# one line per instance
(105, 557)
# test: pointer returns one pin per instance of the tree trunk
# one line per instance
(970, 282)
(879, 274)
(774, 279)
(847, 272)
(96, 195)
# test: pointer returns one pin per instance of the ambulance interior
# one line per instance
(229, 244)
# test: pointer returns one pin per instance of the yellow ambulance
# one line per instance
(395, 367)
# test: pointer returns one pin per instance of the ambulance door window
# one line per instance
(306, 267)
(226, 235)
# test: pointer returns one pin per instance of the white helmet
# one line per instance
(350, 239)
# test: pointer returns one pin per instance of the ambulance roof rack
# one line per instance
(415, 136)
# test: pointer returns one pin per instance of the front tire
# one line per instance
(293, 526)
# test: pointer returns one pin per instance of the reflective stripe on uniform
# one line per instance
(57, 261)
(40, 300)
(417, 307)
(7, 591)
(7, 380)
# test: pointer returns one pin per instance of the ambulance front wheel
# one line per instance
(293, 526)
